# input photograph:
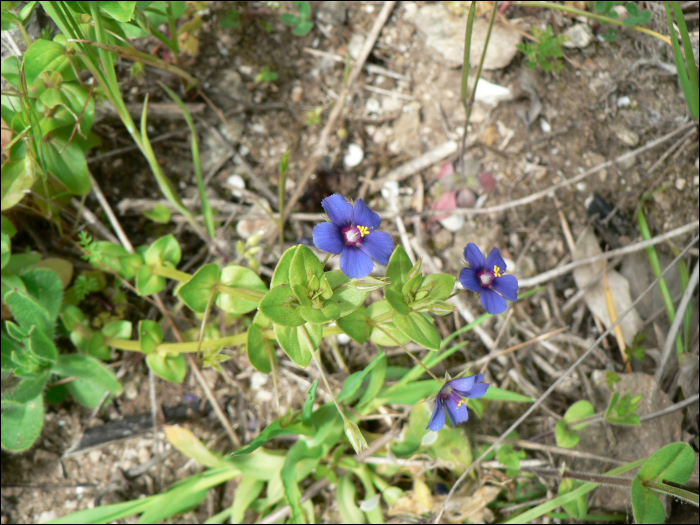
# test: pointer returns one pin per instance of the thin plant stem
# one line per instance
(207, 311)
(271, 354)
(408, 352)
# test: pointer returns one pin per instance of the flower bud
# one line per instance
(357, 440)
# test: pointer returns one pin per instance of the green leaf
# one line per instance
(247, 491)
(160, 214)
(376, 380)
(261, 353)
(396, 301)
(170, 368)
(419, 329)
(281, 306)
(239, 277)
(644, 18)
(621, 411)
(66, 161)
(22, 424)
(304, 9)
(354, 381)
(186, 442)
(295, 344)
(7, 227)
(150, 335)
(578, 508)
(565, 438)
(44, 55)
(10, 71)
(379, 309)
(398, 268)
(646, 506)
(329, 312)
(346, 494)
(120, 11)
(674, 462)
(281, 275)
(309, 403)
(305, 265)
(303, 28)
(440, 285)
(290, 19)
(41, 346)
(196, 292)
(118, 330)
(576, 412)
(164, 251)
(45, 286)
(272, 431)
(356, 325)
(93, 379)
(147, 282)
(29, 312)
(26, 388)
(348, 298)
(17, 177)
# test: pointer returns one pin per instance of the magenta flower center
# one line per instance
(353, 234)
(448, 392)
(486, 278)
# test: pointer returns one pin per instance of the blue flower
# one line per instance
(352, 234)
(486, 277)
(451, 397)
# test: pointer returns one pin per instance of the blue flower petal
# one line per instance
(458, 414)
(464, 384)
(363, 216)
(507, 286)
(478, 390)
(338, 209)
(474, 257)
(354, 263)
(491, 301)
(328, 238)
(470, 280)
(494, 259)
(437, 420)
(378, 245)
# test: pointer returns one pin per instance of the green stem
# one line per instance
(250, 295)
(578, 12)
(171, 273)
(678, 492)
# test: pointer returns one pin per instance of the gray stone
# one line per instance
(578, 35)
(445, 34)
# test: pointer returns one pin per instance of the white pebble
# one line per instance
(581, 186)
(545, 126)
(354, 156)
(236, 181)
(343, 339)
(623, 102)
(373, 105)
(257, 380)
(680, 184)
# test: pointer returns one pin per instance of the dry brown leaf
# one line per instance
(587, 246)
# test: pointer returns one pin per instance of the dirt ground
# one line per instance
(582, 123)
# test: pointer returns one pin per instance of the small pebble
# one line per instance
(623, 102)
(545, 126)
(236, 181)
(680, 184)
(581, 186)
(696, 182)
(343, 339)
(373, 105)
(354, 156)
(297, 93)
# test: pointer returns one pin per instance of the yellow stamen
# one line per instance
(461, 402)
(496, 271)
(364, 230)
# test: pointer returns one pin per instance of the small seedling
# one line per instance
(313, 117)
(545, 52)
(230, 19)
(265, 76)
(636, 17)
(300, 23)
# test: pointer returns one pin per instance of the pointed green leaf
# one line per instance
(439, 285)
(281, 306)
(147, 282)
(170, 368)
(150, 335)
(349, 298)
(186, 442)
(239, 277)
(65, 160)
(197, 292)
(304, 266)
(164, 251)
(398, 268)
(379, 310)
(329, 312)
(93, 379)
(22, 424)
(25, 389)
(646, 506)
(46, 287)
(419, 329)
(260, 349)
(674, 462)
(356, 325)
(295, 344)
(396, 301)
(281, 275)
